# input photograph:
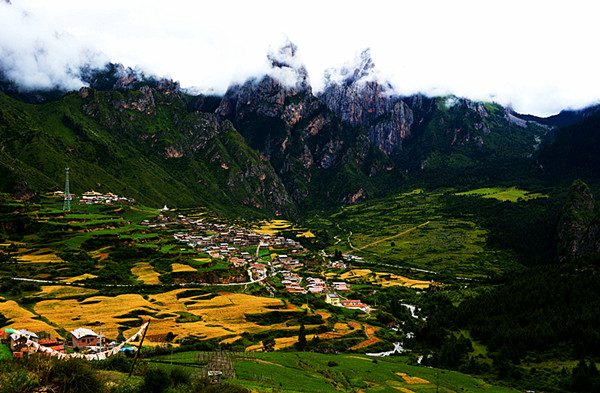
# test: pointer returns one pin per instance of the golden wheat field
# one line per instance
(384, 279)
(413, 380)
(203, 317)
(282, 342)
(19, 318)
(78, 278)
(179, 268)
(61, 291)
(145, 273)
(39, 257)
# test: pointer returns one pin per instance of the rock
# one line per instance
(358, 98)
(575, 221)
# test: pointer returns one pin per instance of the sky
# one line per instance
(538, 57)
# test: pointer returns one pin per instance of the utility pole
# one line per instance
(100, 336)
(67, 200)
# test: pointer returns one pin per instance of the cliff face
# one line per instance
(356, 96)
(578, 228)
(280, 117)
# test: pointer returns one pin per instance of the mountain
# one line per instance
(270, 142)
(574, 151)
(354, 94)
(142, 143)
(578, 232)
(317, 155)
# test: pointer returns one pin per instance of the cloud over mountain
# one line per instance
(36, 57)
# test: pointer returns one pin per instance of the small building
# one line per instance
(83, 337)
(333, 299)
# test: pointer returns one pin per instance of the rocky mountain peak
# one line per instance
(355, 94)
(287, 68)
(361, 69)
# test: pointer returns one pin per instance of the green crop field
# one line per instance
(292, 372)
(511, 194)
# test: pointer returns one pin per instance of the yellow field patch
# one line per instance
(223, 315)
(230, 340)
(179, 267)
(273, 226)
(39, 258)
(60, 291)
(19, 318)
(78, 278)
(413, 380)
(354, 273)
(282, 342)
(307, 234)
(202, 259)
(145, 273)
(405, 390)
(385, 279)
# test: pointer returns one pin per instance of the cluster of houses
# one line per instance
(94, 197)
(82, 338)
(292, 282)
(213, 236)
(335, 300)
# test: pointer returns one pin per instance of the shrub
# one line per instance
(17, 382)
(180, 376)
(75, 375)
(156, 380)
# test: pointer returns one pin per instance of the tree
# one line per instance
(301, 344)
(269, 344)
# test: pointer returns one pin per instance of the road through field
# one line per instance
(383, 240)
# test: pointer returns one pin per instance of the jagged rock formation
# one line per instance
(357, 97)
(280, 117)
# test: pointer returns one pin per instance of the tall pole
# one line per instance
(139, 349)
(67, 200)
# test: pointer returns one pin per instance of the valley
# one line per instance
(205, 281)
(287, 239)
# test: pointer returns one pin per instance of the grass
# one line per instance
(292, 372)
(512, 194)
(411, 230)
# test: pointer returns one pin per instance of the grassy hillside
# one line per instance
(142, 144)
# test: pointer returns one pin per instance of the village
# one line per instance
(224, 242)
(274, 261)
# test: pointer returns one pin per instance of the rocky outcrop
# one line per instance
(578, 225)
(210, 150)
(357, 97)
(279, 116)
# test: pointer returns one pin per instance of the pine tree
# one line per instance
(301, 344)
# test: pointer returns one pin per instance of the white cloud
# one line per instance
(538, 56)
(37, 57)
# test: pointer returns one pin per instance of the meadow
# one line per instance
(415, 231)
(296, 372)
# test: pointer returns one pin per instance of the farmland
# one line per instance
(119, 266)
(312, 372)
